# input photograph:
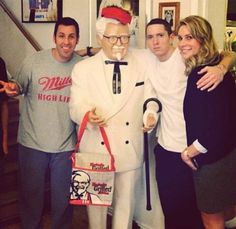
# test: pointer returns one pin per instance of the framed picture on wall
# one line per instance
(170, 11)
(231, 14)
(41, 11)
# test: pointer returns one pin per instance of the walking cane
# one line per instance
(146, 155)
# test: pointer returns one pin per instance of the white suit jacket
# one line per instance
(124, 117)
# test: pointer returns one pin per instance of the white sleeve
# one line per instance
(200, 148)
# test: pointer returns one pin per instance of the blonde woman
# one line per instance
(210, 124)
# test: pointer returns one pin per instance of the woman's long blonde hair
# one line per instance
(201, 30)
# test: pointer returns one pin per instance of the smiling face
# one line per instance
(81, 182)
(188, 45)
(66, 41)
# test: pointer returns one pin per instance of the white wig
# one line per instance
(102, 23)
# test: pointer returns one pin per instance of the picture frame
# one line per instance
(41, 11)
(170, 11)
(231, 14)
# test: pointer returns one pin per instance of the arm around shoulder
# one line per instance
(228, 60)
(213, 75)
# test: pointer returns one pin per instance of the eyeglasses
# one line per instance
(113, 39)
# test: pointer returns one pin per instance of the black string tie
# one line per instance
(116, 80)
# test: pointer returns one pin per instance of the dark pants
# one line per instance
(176, 191)
(33, 166)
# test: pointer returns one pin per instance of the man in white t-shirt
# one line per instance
(168, 82)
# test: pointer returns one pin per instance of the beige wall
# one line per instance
(14, 47)
(212, 10)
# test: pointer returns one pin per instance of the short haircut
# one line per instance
(159, 21)
(67, 21)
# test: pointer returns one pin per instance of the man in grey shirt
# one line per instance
(46, 134)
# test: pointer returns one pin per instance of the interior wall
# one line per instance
(216, 14)
(43, 32)
(185, 7)
(14, 47)
(204, 8)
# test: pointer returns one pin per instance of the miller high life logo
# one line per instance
(54, 83)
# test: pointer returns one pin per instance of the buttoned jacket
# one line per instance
(123, 116)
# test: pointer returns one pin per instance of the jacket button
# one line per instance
(102, 143)
(127, 142)
(127, 123)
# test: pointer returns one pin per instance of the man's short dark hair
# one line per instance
(67, 21)
(159, 21)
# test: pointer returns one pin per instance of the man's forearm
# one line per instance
(228, 60)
